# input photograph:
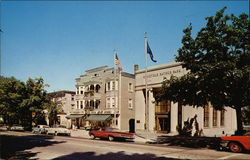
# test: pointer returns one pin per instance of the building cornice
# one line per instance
(159, 67)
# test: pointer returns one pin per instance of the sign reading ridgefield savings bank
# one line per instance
(163, 73)
(157, 76)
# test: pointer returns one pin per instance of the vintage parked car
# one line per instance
(16, 127)
(58, 130)
(110, 134)
(4, 127)
(235, 143)
(40, 129)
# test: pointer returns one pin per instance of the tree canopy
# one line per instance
(218, 61)
(18, 100)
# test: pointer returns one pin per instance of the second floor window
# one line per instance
(77, 104)
(81, 104)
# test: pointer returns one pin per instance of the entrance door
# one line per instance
(132, 125)
(163, 123)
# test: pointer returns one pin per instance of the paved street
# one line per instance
(61, 147)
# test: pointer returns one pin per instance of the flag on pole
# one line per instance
(150, 53)
(117, 63)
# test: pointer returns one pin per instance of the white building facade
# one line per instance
(165, 116)
(104, 96)
(65, 101)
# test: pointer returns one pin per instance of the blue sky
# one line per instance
(59, 40)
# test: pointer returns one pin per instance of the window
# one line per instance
(130, 87)
(222, 117)
(163, 106)
(92, 87)
(206, 116)
(97, 104)
(97, 88)
(91, 104)
(81, 92)
(113, 103)
(77, 104)
(130, 104)
(108, 103)
(108, 86)
(81, 104)
(113, 85)
(215, 117)
(72, 98)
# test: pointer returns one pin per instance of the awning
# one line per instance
(73, 116)
(99, 117)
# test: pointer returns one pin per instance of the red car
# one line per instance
(110, 133)
(236, 143)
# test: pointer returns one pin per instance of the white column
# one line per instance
(174, 117)
(151, 114)
(139, 111)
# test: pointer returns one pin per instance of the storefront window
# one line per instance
(222, 117)
(215, 117)
(206, 116)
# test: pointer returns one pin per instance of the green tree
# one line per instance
(18, 100)
(10, 99)
(218, 61)
(34, 98)
(53, 107)
(245, 115)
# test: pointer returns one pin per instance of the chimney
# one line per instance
(136, 68)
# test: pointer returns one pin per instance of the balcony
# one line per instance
(77, 111)
(106, 111)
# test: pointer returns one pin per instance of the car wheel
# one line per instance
(111, 138)
(235, 147)
(92, 136)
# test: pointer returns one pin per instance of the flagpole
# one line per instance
(114, 90)
(119, 96)
(146, 83)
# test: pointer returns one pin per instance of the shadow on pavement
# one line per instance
(13, 147)
(191, 142)
(110, 156)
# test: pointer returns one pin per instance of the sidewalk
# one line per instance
(141, 137)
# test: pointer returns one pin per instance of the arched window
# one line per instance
(92, 87)
(97, 88)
